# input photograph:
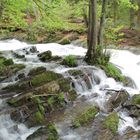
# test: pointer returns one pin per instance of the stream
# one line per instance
(95, 93)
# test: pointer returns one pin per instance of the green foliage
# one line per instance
(136, 99)
(114, 72)
(44, 78)
(85, 117)
(112, 122)
(70, 61)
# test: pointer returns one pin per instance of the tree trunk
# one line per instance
(92, 31)
(102, 22)
(132, 16)
(138, 14)
(85, 14)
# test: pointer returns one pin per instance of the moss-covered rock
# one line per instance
(8, 62)
(18, 56)
(46, 133)
(45, 77)
(36, 71)
(112, 121)
(45, 56)
(136, 99)
(86, 117)
(75, 72)
(64, 41)
(70, 61)
(114, 72)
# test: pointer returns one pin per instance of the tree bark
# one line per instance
(132, 15)
(102, 22)
(138, 14)
(92, 31)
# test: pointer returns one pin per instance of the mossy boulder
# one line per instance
(8, 62)
(46, 133)
(111, 122)
(136, 99)
(85, 118)
(18, 56)
(75, 72)
(36, 71)
(112, 71)
(65, 41)
(70, 61)
(45, 77)
(45, 56)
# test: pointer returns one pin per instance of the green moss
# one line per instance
(111, 122)
(49, 133)
(65, 85)
(39, 117)
(75, 72)
(70, 61)
(136, 99)
(72, 95)
(16, 55)
(44, 78)
(85, 117)
(8, 62)
(114, 72)
(36, 71)
(17, 67)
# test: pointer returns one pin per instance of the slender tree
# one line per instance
(138, 14)
(92, 32)
(132, 15)
(102, 22)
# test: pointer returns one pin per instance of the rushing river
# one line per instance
(126, 61)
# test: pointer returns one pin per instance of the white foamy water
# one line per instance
(128, 62)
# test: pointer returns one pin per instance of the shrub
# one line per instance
(70, 61)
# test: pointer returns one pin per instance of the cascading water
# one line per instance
(93, 85)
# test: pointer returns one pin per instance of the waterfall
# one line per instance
(92, 85)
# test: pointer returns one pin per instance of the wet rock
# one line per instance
(8, 62)
(18, 56)
(44, 133)
(130, 134)
(33, 49)
(117, 98)
(75, 72)
(45, 56)
(20, 76)
(36, 71)
(133, 106)
(85, 118)
(129, 82)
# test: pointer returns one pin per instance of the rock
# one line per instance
(64, 41)
(118, 98)
(133, 106)
(129, 82)
(44, 133)
(130, 134)
(36, 71)
(85, 118)
(8, 62)
(18, 56)
(33, 49)
(45, 56)
(20, 76)
(75, 72)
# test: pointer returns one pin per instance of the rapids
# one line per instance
(126, 61)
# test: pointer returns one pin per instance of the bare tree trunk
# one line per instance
(85, 13)
(132, 16)
(102, 22)
(92, 31)
(138, 14)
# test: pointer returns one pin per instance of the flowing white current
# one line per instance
(128, 63)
